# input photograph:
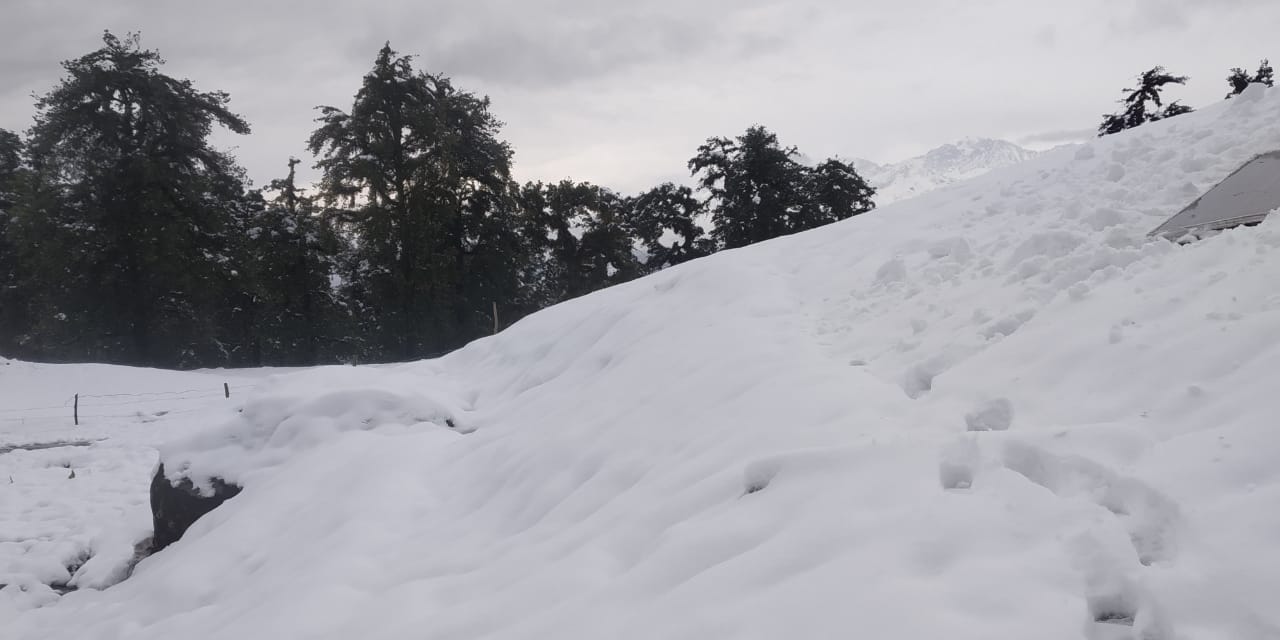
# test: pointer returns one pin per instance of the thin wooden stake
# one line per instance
(495, 317)
(75, 410)
(226, 390)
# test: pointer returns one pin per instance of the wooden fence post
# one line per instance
(75, 410)
(495, 317)
(226, 390)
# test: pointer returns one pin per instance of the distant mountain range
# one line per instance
(944, 165)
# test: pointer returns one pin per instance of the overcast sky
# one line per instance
(622, 92)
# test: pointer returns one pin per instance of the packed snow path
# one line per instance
(997, 410)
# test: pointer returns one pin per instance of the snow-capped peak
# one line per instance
(960, 160)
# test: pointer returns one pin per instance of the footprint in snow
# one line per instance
(1149, 517)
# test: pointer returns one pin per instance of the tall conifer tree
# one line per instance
(424, 186)
(123, 233)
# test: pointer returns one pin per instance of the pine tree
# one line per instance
(123, 231)
(607, 248)
(834, 191)
(13, 293)
(665, 220)
(1265, 75)
(11, 164)
(285, 312)
(759, 191)
(1239, 79)
(755, 186)
(550, 246)
(424, 187)
(1137, 111)
(581, 240)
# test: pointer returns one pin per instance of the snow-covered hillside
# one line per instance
(939, 167)
(995, 411)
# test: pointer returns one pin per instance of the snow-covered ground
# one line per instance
(997, 410)
(79, 531)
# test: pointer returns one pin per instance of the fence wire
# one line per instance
(66, 411)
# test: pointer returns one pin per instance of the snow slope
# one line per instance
(997, 410)
(939, 167)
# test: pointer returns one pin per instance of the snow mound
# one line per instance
(294, 414)
(996, 410)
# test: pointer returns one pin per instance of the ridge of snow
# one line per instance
(996, 410)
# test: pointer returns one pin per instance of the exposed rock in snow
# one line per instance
(176, 505)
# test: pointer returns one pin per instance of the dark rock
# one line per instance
(174, 507)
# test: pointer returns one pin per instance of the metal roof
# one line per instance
(1244, 197)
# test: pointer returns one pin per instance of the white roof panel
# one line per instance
(1244, 197)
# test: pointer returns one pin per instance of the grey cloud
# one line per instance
(1046, 36)
(1148, 16)
(584, 52)
(546, 41)
(621, 92)
(563, 42)
(1060, 136)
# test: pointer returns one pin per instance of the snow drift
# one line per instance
(997, 410)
